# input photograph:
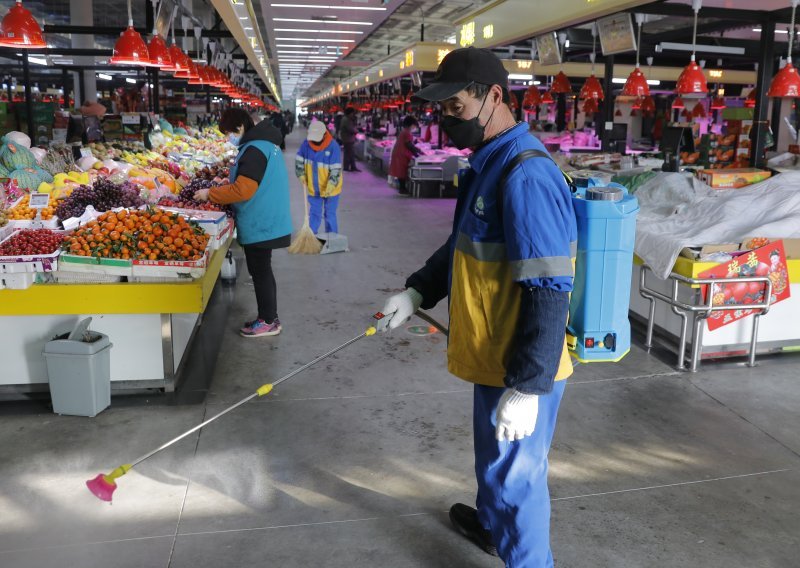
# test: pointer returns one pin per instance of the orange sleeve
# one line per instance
(242, 189)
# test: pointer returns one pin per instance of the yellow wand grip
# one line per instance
(370, 331)
(119, 472)
(264, 389)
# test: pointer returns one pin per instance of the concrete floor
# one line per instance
(355, 462)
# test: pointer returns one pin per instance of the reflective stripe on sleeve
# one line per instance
(543, 267)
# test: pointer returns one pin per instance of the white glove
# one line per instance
(201, 194)
(516, 415)
(399, 309)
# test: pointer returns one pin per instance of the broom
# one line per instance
(305, 242)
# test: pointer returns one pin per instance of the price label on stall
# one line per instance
(131, 118)
(39, 200)
(85, 152)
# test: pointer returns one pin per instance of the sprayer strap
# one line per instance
(517, 160)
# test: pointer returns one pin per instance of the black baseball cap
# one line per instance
(462, 67)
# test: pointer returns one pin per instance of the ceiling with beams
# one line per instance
(312, 59)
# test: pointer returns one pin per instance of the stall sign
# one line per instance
(768, 260)
(467, 34)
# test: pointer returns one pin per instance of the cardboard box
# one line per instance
(790, 246)
(732, 178)
(697, 252)
(767, 261)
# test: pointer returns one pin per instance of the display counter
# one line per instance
(150, 325)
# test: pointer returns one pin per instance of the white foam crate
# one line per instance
(19, 281)
(28, 263)
(27, 224)
(76, 277)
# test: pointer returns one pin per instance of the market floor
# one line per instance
(355, 462)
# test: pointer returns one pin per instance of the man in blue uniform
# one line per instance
(507, 270)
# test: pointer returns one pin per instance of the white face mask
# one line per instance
(234, 139)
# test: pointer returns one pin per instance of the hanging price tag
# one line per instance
(39, 200)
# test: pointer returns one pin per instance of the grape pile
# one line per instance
(219, 170)
(185, 199)
(103, 196)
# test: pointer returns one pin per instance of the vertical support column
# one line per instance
(607, 114)
(561, 112)
(155, 92)
(26, 78)
(208, 99)
(65, 86)
(82, 14)
(765, 72)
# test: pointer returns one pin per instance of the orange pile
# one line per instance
(152, 234)
(24, 213)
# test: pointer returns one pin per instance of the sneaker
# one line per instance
(246, 328)
(261, 328)
(465, 521)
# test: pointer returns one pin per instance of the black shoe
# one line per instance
(465, 521)
(355, 170)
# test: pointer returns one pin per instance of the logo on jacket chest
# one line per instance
(479, 207)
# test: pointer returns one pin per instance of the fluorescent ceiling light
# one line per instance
(249, 28)
(345, 22)
(776, 31)
(307, 31)
(702, 48)
(104, 76)
(300, 51)
(317, 40)
(129, 80)
(621, 81)
(294, 46)
(520, 77)
(37, 60)
(325, 7)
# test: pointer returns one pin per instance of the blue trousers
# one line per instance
(315, 205)
(513, 501)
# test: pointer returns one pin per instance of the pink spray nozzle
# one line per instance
(101, 487)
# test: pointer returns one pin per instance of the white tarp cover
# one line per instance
(678, 211)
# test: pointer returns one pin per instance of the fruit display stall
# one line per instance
(115, 235)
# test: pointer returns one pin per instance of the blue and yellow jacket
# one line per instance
(507, 270)
(320, 165)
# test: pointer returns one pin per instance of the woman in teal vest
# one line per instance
(259, 193)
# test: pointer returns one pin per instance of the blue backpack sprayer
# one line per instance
(598, 329)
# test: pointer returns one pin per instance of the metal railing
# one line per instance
(700, 312)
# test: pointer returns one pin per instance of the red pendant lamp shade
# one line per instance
(636, 85)
(19, 29)
(699, 111)
(618, 113)
(590, 106)
(717, 103)
(532, 98)
(592, 89)
(677, 103)
(130, 49)
(786, 83)
(561, 84)
(159, 54)
(692, 80)
(547, 99)
(180, 61)
(750, 101)
(637, 104)
(191, 73)
(648, 105)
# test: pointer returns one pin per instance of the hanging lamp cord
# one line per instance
(130, 14)
(694, 34)
(639, 42)
(791, 32)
